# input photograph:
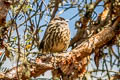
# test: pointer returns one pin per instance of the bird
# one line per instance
(56, 37)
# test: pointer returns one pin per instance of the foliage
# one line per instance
(27, 20)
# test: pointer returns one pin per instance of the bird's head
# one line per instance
(59, 19)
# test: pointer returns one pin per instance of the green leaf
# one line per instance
(40, 30)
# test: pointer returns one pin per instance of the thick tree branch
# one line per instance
(4, 7)
(35, 69)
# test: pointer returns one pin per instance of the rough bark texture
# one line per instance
(4, 7)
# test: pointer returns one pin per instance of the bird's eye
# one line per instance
(62, 19)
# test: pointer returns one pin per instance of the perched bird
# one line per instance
(56, 37)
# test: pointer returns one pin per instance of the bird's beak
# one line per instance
(67, 20)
